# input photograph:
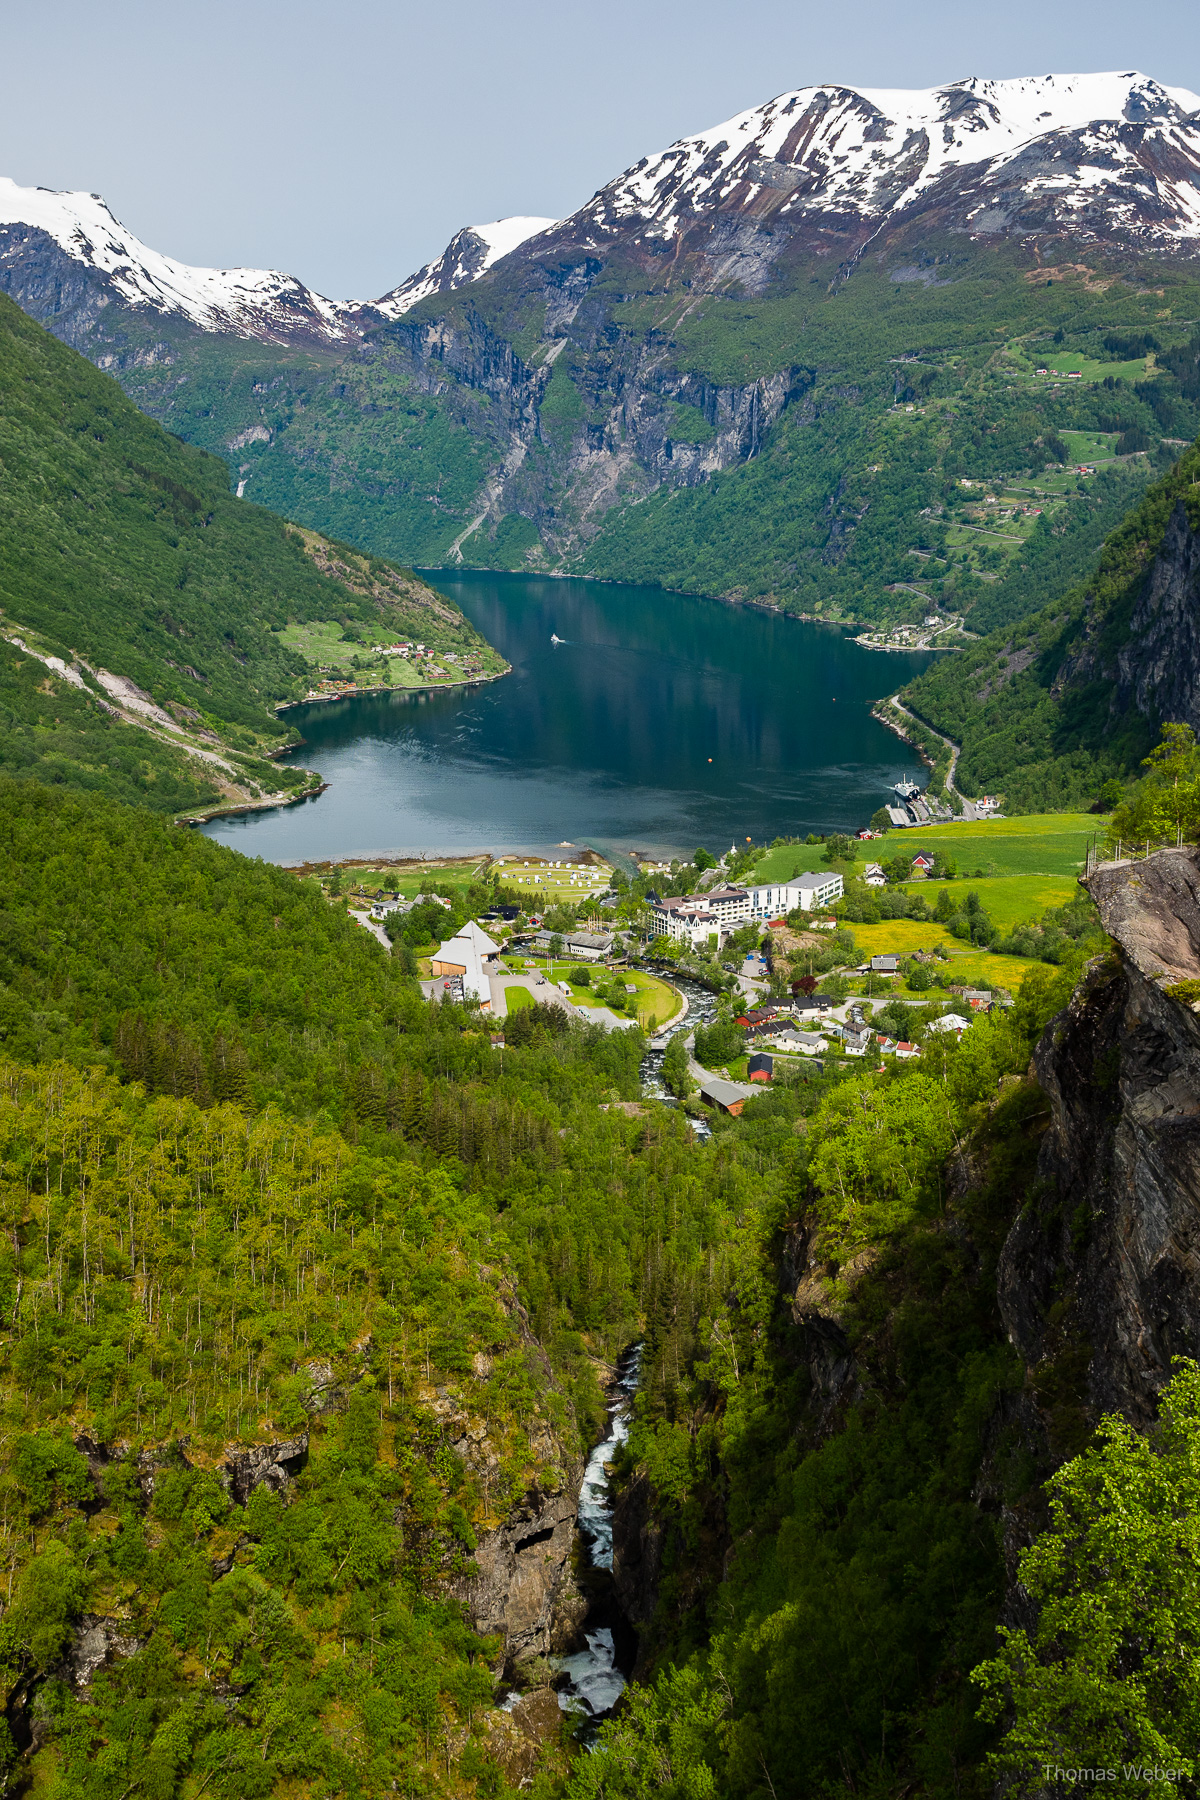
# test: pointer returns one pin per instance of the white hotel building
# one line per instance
(721, 911)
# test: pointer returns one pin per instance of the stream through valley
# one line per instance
(592, 1680)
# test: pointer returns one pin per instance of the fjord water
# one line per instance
(661, 722)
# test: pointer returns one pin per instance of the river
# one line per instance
(661, 722)
(595, 1677)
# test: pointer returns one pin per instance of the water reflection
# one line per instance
(662, 721)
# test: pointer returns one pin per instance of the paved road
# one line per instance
(374, 927)
(969, 811)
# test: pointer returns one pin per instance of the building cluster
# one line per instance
(698, 919)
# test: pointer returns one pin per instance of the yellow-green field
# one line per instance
(974, 966)
(515, 997)
(1007, 899)
(899, 937)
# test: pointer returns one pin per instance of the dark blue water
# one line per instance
(661, 723)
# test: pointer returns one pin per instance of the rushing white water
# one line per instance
(594, 1680)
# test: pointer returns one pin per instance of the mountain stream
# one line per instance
(593, 1679)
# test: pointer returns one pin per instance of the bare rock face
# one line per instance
(94, 1644)
(1159, 668)
(524, 1574)
(258, 1465)
(1099, 1280)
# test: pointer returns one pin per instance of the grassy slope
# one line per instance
(1037, 844)
(124, 547)
(999, 699)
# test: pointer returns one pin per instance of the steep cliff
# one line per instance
(1099, 1282)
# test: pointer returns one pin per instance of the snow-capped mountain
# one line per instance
(56, 249)
(261, 303)
(1104, 157)
(1106, 151)
(468, 255)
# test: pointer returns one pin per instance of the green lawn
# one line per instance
(1008, 899)
(1090, 446)
(1069, 361)
(1039, 844)
(655, 999)
(517, 997)
(794, 859)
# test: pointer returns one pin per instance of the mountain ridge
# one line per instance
(701, 377)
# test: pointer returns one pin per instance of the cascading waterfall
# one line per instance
(595, 1680)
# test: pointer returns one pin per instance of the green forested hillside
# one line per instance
(303, 1282)
(313, 1221)
(123, 550)
(902, 386)
(1032, 725)
(325, 1176)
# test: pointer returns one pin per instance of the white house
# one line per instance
(950, 1022)
(471, 958)
(874, 876)
(589, 946)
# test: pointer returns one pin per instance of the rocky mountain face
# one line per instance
(746, 297)
(469, 254)
(1158, 668)
(66, 260)
(1111, 155)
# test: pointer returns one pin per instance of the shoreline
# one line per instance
(267, 804)
(420, 687)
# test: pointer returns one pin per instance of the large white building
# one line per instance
(804, 892)
(696, 918)
(688, 921)
(466, 959)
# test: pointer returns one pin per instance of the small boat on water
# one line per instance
(555, 639)
(907, 789)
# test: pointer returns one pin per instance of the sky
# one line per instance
(346, 143)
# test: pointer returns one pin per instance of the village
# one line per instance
(746, 944)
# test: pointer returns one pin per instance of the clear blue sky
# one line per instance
(346, 143)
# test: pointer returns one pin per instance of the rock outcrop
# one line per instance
(1099, 1280)
(523, 1585)
(262, 1465)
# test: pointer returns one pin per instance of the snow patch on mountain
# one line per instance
(466, 257)
(248, 302)
(869, 152)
